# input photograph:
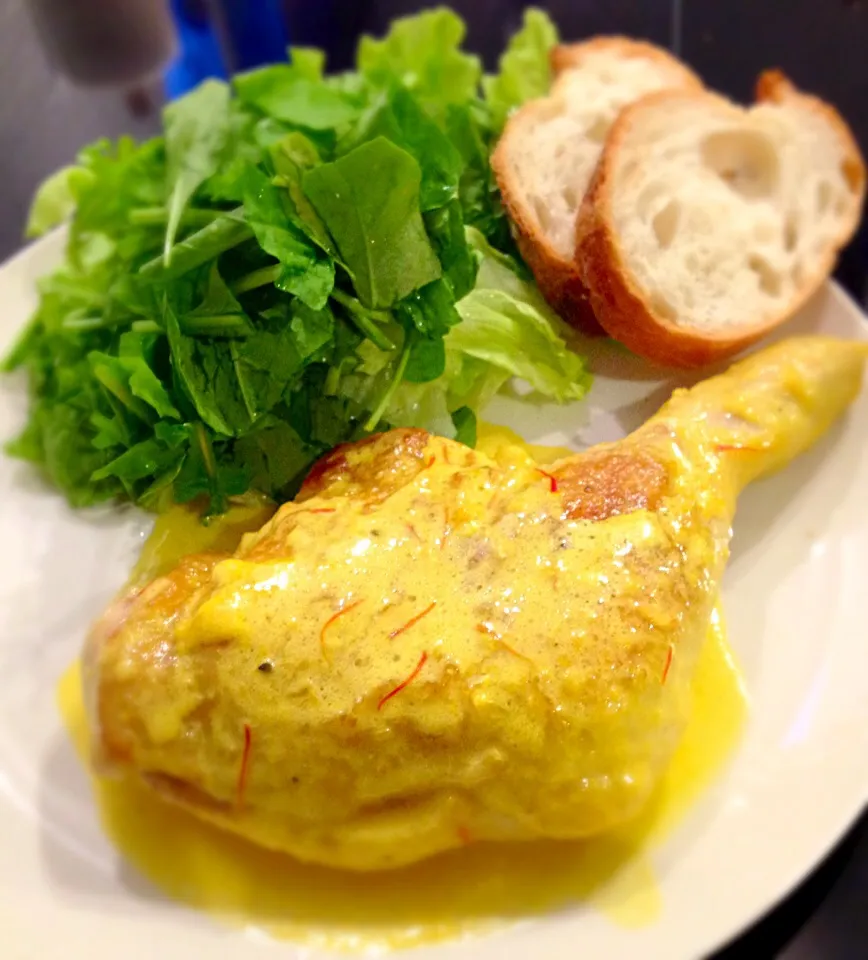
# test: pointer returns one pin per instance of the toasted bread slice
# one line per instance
(708, 224)
(550, 147)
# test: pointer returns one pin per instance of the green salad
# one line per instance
(299, 260)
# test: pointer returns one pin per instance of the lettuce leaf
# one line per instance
(524, 70)
(507, 323)
(506, 330)
(55, 200)
(423, 53)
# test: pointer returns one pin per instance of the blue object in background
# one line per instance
(221, 37)
(199, 54)
(253, 32)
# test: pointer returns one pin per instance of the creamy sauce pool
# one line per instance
(456, 893)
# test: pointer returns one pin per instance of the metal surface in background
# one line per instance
(44, 119)
(103, 41)
(822, 44)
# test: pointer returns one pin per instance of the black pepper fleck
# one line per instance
(265, 667)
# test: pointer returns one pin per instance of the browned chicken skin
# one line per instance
(429, 647)
(597, 485)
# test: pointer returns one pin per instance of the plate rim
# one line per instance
(726, 932)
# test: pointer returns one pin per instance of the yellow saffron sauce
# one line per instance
(464, 892)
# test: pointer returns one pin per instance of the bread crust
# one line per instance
(773, 86)
(559, 277)
(571, 56)
(623, 309)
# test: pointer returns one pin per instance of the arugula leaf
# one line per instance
(267, 362)
(219, 314)
(312, 330)
(196, 133)
(278, 457)
(292, 155)
(305, 270)
(139, 461)
(159, 495)
(293, 92)
(445, 227)
(369, 200)
(430, 311)
(207, 373)
(207, 470)
(470, 131)
(427, 360)
(465, 426)
(524, 71)
(145, 385)
(173, 435)
(131, 381)
(423, 52)
(399, 118)
(60, 440)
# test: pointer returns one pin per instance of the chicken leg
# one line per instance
(429, 648)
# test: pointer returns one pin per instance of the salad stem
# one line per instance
(363, 320)
(145, 326)
(258, 278)
(220, 235)
(380, 409)
(157, 217)
(85, 323)
(332, 381)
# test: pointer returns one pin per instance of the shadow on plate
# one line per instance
(77, 859)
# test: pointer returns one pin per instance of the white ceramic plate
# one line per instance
(795, 602)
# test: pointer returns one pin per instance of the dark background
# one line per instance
(821, 44)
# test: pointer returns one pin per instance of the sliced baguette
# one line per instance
(708, 224)
(550, 147)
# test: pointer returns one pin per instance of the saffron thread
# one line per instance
(331, 620)
(295, 513)
(413, 621)
(404, 683)
(668, 664)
